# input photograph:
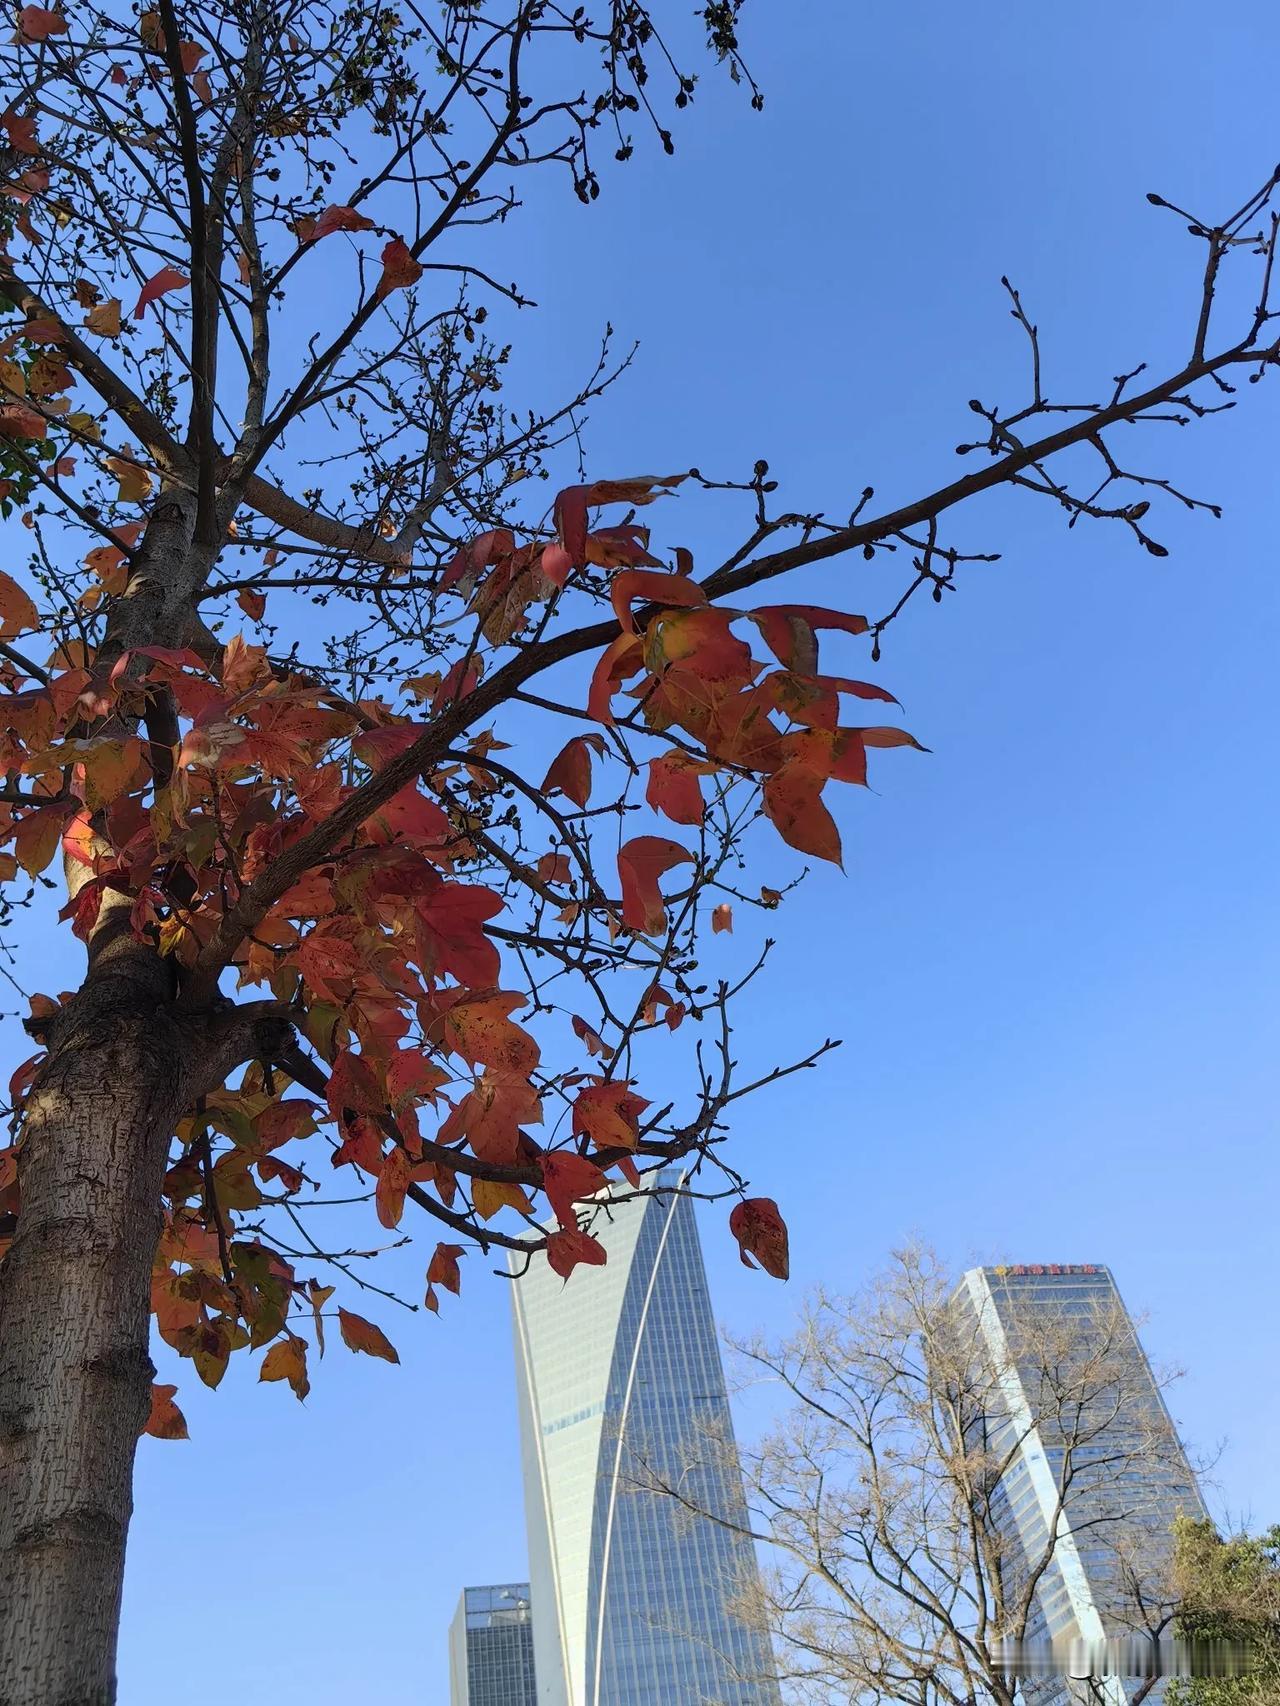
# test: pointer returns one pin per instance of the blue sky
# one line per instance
(1053, 956)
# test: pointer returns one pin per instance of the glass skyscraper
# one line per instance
(635, 1601)
(1099, 1464)
(491, 1648)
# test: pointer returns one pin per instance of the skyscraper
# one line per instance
(1094, 1474)
(491, 1648)
(634, 1601)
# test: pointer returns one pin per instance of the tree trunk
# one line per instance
(75, 1371)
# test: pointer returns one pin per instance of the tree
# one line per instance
(255, 337)
(881, 1493)
(1228, 1592)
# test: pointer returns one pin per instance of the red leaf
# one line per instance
(361, 1335)
(673, 787)
(20, 128)
(411, 1077)
(556, 564)
(167, 279)
(641, 862)
(666, 591)
(570, 513)
(570, 772)
(165, 1420)
(337, 219)
(554, 867)
(254, 604)
(451, 934)
(567, 1248)
(722, 918)
(35, 24)
(353, 1087)
(788, 631)
(761, 1232)
(19, 421)
(569, 1178)
(459, 681)
(621, 658)
(399, 269)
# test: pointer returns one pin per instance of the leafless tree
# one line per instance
(882, 1492)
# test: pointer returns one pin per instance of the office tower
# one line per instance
(491, 1648)
(635, 1601)
(1091, 1453)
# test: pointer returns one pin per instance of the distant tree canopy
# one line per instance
(1229, 1591)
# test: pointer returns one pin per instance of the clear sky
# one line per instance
(1053, 958)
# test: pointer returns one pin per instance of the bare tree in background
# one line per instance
(878, 1492)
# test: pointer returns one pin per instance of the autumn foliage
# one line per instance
(422, 1071)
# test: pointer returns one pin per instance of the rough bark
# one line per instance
(75, 1369)
(75, 1372)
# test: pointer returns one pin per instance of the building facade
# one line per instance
(1094, 1474)
(636, 1602)
(491, 1648)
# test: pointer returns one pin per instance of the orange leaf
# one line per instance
(36, 836)
(480, 1030)
(254, 604)
(399, 269)
(443, 1267)
(105, 318)
(793, 804)
(641, 861)
(568, 1178)
(490, 1195)
(393, 1182)
(361, 1335)
(287, 1360)
(165, 1420)
(608, 1114)
(565, 1249)
(17, 612)
(722, 918)
(761, 1232)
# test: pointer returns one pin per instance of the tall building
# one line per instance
(491, 1648)
(1091, 1460)
(635, 1601)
